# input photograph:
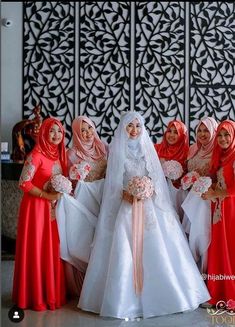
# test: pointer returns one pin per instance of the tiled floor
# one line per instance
(71, 316)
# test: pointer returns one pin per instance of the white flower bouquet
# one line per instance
(189, 179)
(79, 171)
(60, 183)
(172, 169)
(202, 184)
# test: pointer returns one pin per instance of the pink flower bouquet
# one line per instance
(60, 183)
(140, 187)
(202, 184)
(79, 171)
(172, 169)
(231, 304)
(188, 179)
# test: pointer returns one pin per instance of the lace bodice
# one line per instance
(199, 165)
(134, 167)
(98, 169)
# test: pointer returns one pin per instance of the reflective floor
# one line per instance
(71, 316)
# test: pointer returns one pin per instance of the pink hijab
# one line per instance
(205, 150)
(87, 150)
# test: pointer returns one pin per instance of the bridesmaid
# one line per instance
(221, 255)
(39, 282)
(87, 146)
(175, 146)
(200, 152)
(197, 217)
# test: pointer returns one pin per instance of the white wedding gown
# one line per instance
(172, 282)
(178, 196)
(197, 224)
(77, 219)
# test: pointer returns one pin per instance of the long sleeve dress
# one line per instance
(221, 254)
(172, 282)
(39, 282)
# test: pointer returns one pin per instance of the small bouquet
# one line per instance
(202, 184)
(231, 304)
(140, 187)
(79, 171)
(189, 179)
(60, 183)
(172, 169)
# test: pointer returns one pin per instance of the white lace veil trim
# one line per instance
(113, 186)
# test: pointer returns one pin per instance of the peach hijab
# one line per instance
(87, 150)
(205, 150)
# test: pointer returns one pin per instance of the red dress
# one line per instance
(39, 282)
(221, 255)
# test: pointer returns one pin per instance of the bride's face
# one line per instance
(133, 129)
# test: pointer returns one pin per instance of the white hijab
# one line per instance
(120, 146)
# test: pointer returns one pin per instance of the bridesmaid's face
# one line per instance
(133, 129)
(203, 135)
(55, 134)
(224, 139)
(172, 135)
(87, 132)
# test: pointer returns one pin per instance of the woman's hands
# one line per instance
(209, 195)
(213, 194)
(51, 196)
(127, 197)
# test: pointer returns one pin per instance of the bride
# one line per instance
(145, 271)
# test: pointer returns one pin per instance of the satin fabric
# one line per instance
(198, 227)
(75, 214)
(77, 219)
(171, 280)
(221, 255)
(39, 282)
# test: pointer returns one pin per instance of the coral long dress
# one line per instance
(221, 255)
(39, 282)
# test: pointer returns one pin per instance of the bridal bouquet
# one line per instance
(189, 179)
(140, 187)
(172, 169)
(60, 183)
(202, 184)
(79, 171)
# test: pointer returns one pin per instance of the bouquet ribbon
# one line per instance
(137, 243)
